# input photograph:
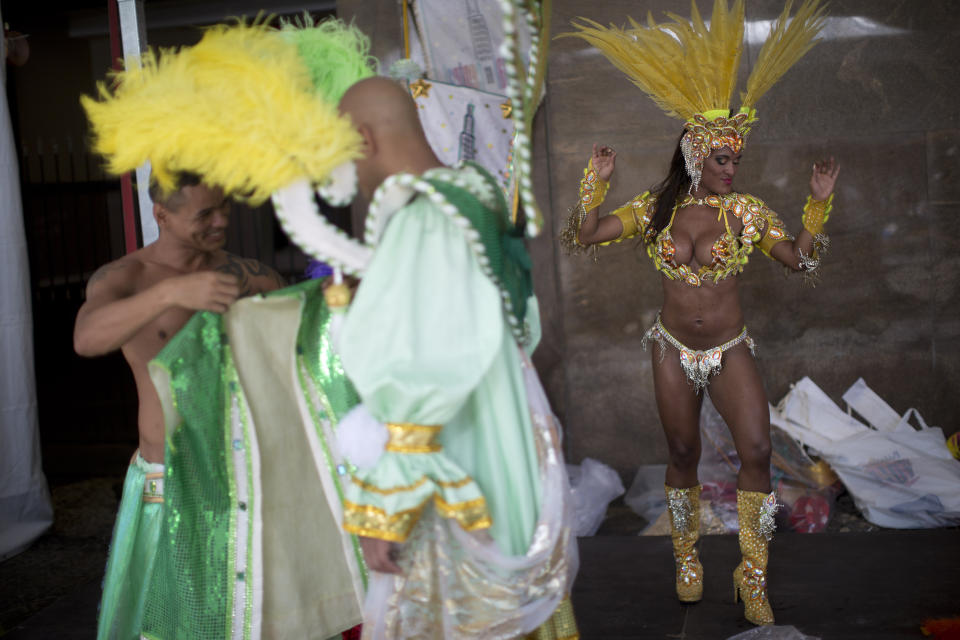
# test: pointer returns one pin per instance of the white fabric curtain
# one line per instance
(25, 509)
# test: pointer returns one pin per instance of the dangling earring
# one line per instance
(694, 164)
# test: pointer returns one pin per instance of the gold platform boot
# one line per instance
(684, 508)
(755, 511)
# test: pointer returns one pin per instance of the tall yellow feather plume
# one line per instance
(238, 108)
(687, 68)
(785, 45)
(660, 58)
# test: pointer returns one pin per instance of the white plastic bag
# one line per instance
(646, 496)
(593, 485)
(773, 632)
(806, 503)
(805, 495)
(899, 477)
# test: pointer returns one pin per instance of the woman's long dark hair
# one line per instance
(668, 192)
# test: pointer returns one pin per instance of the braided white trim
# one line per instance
(522, 98)
(341, 187)
(300, 218)
(396, 191)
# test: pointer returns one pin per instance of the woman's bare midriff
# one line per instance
(702, 317)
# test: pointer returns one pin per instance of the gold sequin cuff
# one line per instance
(471, 515)
(593, 189)
(373, 522)
(816, 213)
(386, 501)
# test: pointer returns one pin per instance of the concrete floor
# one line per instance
(849, 586)
(879, 585)
(72, 554)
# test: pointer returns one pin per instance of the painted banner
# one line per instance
(462, 41)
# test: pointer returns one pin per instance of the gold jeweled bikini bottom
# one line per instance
(697, 365)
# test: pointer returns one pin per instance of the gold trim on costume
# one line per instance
(455, 484)
(471, 515)
(373, 522)
(406, 437)
(366, 486)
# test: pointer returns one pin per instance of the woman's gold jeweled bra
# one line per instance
(730, 251)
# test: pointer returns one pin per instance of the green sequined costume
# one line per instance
(251, 545)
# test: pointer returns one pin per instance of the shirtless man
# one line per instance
(136, 304)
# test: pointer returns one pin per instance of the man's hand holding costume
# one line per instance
(204, 291)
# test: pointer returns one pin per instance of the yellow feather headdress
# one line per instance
(690, 69)
(239, 108)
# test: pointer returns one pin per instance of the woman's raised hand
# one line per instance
(821, 182)
(603, 161)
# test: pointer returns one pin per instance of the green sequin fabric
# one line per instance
(191, 587)
(196, 573)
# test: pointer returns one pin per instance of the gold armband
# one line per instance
(816, 213)
(593, 189)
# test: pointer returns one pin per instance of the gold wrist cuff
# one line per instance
(593, 189)
(816, 213)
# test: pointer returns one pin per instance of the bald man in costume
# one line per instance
(463, 512)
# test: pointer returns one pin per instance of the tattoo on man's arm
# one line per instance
(102, 272)
(244, 269)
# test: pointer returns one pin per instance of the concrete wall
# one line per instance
(875, 94)
(878, 94)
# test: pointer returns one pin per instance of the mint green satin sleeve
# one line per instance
(425, 341)
(421, 333)
(534, 326)
(425, 323)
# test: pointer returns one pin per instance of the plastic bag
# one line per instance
(772, 632)
(593, 485)
(804, 488)
(646, 496)
(899, 476)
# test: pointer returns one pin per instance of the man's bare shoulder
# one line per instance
(253, 276)
(122, 273)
